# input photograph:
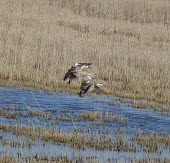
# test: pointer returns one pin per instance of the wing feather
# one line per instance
(97, 89)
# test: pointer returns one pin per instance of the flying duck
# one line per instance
(89, 86)
(76, 71)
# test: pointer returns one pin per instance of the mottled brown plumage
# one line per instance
(88, 86)
(76, 72)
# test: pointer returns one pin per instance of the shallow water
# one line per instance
(58, 101)
(50, 102)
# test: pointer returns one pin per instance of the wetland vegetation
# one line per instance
(40, 127)
(128, 43)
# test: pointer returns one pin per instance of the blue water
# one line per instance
(54, 103)
(59, 101)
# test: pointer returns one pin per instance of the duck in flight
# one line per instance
(75, 72)
(89, 86)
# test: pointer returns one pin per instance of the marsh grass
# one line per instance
(128, 43)
(102, 117)
(65, 159)
(17, 143)
(64, 116)
(149, 141)
(37, 113)
(6, 159)
(35, 159)
(150, 160)
(75, 139)
(9, 113)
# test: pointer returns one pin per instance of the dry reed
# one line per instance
(6, 159)
(127, 41)
(76, 139)
(151, 142)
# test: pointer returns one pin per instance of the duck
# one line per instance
(89, 86)
(75, 72)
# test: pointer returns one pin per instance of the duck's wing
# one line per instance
(75, 72)
(72, 69)
(70, 74)
(97, 89)
(83, 65)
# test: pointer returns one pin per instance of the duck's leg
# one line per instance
(81, 94)
(67, 86)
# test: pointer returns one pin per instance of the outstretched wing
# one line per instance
(76, 72)
(84, 65)
(97, 89)
(71, 73)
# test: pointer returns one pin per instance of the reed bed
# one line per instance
(64, 116)
(12, 112)
(102, 117)
(65, 159)
(127, 42)
(18, 143)
(149, 142)
(37, 113)
(150, 160)
(9, 113)
(74, 139)
(6, 159)
(35, 159)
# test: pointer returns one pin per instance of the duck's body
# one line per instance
(88, 86)
(76, 72)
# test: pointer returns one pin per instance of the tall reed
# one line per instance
(127, 42)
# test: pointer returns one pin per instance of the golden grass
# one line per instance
(87, 159)
(87, 116)
(74, 139)
(147, 159)
(90, 116)
(6, 159)
(127, 41)
(151, 142)
(148, 141)
(37, 113)
(4, 112)
(102, 117)
(35, 159)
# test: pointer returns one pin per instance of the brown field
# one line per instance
(127, 41)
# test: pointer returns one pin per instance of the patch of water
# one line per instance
(139, 119)
(58, 101)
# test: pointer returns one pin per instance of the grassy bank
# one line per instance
(127, 42)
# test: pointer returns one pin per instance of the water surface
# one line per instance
(139, 119)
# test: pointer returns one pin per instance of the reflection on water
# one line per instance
(54, 103)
